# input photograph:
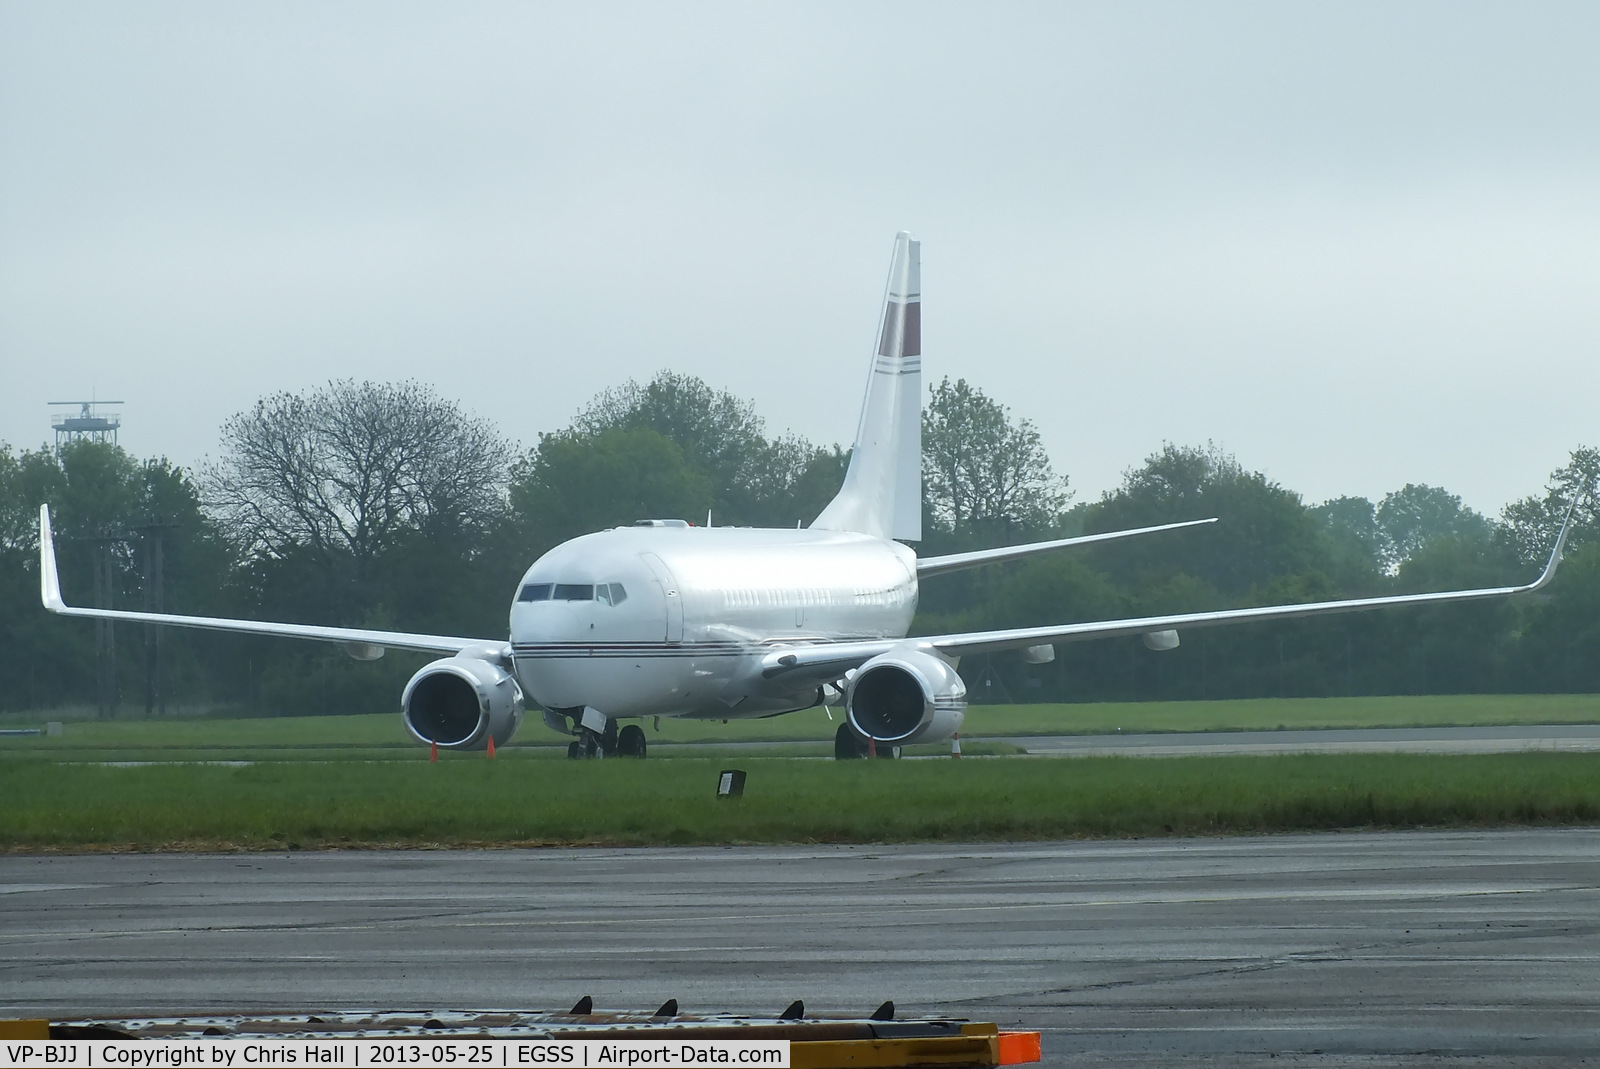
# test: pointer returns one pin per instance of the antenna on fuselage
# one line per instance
(708, 517)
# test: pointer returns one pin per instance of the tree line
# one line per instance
(385, 505)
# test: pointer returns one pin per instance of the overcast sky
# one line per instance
(1357, 245)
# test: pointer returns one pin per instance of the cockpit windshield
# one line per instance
(605, 593)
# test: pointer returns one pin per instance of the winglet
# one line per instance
(1555, 554)
(49, 579)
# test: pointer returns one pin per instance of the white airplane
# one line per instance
(663, 619)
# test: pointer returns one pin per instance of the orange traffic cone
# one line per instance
(433, 751)
(955, 745)
(491, 747)
(872, 746)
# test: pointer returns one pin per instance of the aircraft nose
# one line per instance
(549, 621)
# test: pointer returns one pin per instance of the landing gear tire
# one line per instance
(630, 742)
(608, 739)
(888, 753)
(574, 750)
(847, 745)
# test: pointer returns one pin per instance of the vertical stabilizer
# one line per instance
(882, 492)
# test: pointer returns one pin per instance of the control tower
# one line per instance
(88, 425)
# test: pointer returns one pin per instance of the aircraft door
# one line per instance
(669, 589)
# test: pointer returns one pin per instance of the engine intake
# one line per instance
(906, 696)
(462, 702)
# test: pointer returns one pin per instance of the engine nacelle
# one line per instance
(462, 702)
(906, 696)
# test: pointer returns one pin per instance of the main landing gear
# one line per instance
(609, 742)
(847, 746)
(630, 741)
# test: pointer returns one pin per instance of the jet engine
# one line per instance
(906, 696)
(462, 702)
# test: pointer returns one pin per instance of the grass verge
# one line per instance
(300, 806)
(380, 735)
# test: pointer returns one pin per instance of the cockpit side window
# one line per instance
(535, 592)
(574, 592)
(618, 595)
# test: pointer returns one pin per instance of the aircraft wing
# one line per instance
(359, 642)
(831, 660)
(954, 562)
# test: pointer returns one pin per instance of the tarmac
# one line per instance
(1413, 948)
(1440, 740)
(1513, 738)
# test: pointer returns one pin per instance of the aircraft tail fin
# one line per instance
(882, 492)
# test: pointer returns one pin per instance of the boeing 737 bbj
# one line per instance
(662, 619)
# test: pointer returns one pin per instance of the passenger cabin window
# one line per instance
(574, 592)
(610, 593)
(535, 592)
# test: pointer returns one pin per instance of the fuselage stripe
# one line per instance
(623, 654)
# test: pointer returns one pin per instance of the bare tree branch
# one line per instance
(350, 468)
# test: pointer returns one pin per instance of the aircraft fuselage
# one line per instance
(673, 620)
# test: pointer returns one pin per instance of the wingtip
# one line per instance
(49, 578)
(1561, 542)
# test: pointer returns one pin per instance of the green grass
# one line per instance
(52, 806)
(381, 736)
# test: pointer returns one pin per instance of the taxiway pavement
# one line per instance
(1471, 947)
(1442, 740)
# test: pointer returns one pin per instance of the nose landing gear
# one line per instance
(596, 735)
(607, 742)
